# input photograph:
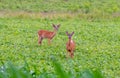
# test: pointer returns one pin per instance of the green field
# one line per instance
(97, 34)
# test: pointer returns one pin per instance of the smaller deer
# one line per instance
(47, 34)
(70, 45)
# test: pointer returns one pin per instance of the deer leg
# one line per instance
(67, 54)
(40, 40)
(71, 54)
(49, 41)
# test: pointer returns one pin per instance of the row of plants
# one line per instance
(9, 70)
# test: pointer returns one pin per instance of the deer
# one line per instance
(42, 34)
(70, 45)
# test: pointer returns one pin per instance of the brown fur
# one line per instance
(70, 46)
(42, 34)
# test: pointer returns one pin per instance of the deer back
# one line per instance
(46, 34)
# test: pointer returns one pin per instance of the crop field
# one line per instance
(96, 34)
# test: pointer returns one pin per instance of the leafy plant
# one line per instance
(11, 71)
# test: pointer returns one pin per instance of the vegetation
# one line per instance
(10, 71)
(96, 25)
(85, 6)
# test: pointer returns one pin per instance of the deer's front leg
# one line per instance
(49, 41)
(67, 54)
(71, 54)
(40, 39)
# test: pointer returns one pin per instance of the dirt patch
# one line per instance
(54, 15)
(36, 14)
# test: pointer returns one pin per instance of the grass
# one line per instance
(85, 6)
(96, 26)
(97, 44)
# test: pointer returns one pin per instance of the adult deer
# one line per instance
(42, 34)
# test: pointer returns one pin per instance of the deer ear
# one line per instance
(58, 25)
(72, 33)
(67, 32)
(53, 25)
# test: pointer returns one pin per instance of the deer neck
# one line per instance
(70, 40)
(53, 34)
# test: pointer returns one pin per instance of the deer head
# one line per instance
(56, 27)
(69, 35)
